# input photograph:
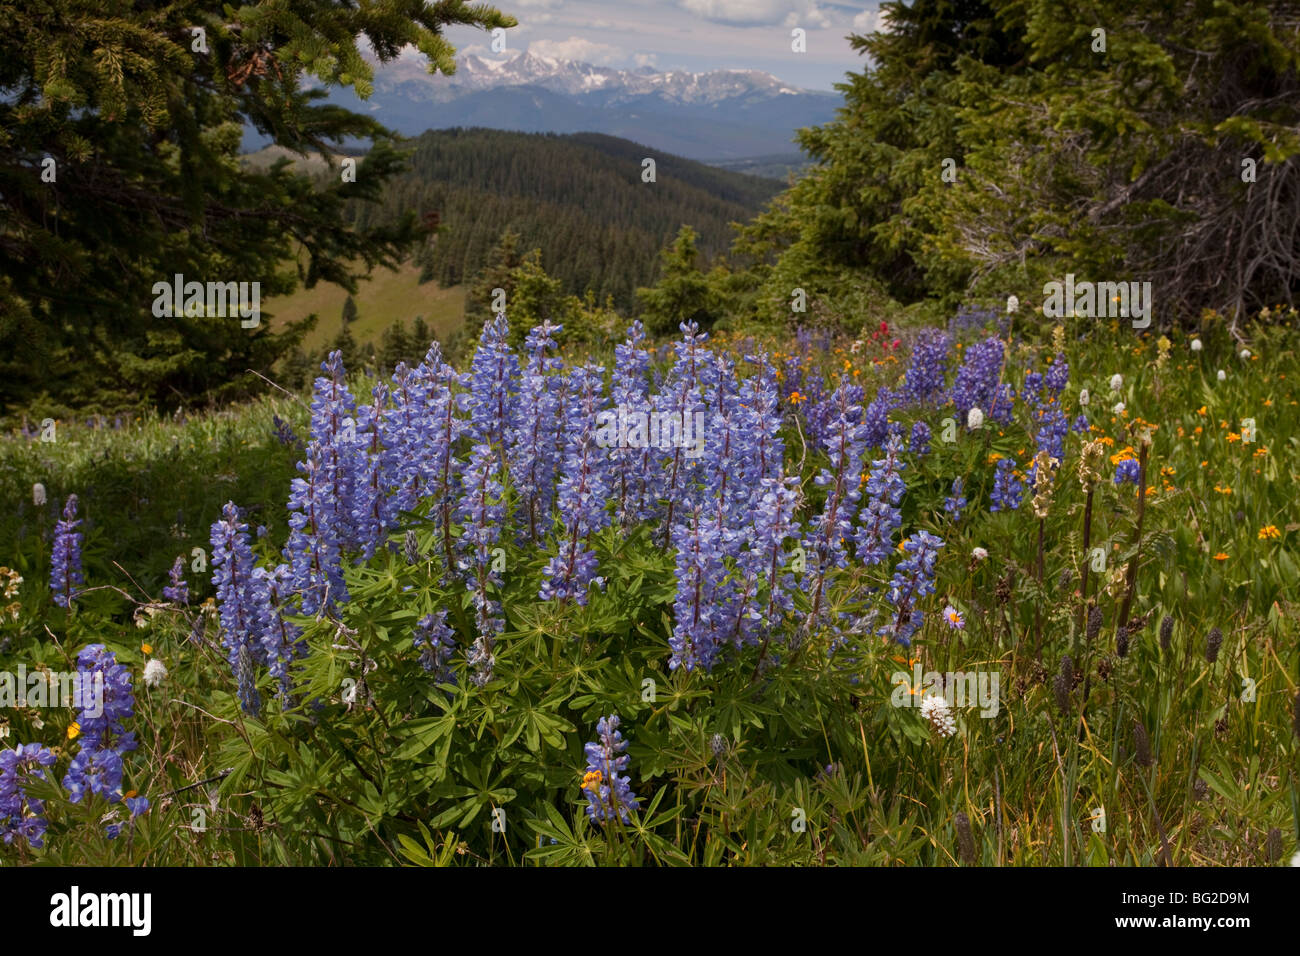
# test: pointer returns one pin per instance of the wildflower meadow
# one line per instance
(1009, 592)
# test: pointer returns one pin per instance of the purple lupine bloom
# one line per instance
(493, 374)
(21, 815)
(1058, 376)
(762, 564)
(238, 604)
(919, 444)
(322, 501)
(924, 380)
(402, 457)
(1003, 404)
(875, 419)
(1129, 470)
(104, 740)
(314, 550)
(436, 642)
(608, 789)
(279, 642)
(913, 579)
(178, 590)
(65, 560)
(371, 515)
(955, 503)
(480, 514)
(976, 383)
(531, 454)
(441, 431)
(636, 472)
(760, 403)
(584, 489)
(1008, 490)
(880, 517)
(682, 398)
(1080, 425)
(697, 619)
(834, 525)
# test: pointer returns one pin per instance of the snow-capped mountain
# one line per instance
(718, 115)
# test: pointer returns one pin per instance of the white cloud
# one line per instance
(864, 21)
(645, 59)
(533, 4)
(788, 13)
(577, 48)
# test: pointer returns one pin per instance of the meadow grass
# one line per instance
(1151, 748)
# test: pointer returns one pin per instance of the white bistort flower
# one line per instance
(38, 494)
(155, 672)
(974, 419)
(1245, 354)
(979, 554)
(1116, 382)
(1083, 397)
(1013, 303)
(1119, 408)
(1196, 345)
(1223, 376)
(936, 711)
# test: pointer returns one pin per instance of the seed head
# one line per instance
(1213, 641)
(1166, 632)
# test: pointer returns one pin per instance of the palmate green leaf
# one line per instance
(419, 735)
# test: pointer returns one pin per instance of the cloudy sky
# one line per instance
(695, 35)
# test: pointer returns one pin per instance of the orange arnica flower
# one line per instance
(1269, 531)
(1220, 557)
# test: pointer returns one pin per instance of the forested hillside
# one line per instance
(579, 198)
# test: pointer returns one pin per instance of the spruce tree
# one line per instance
(120, 129)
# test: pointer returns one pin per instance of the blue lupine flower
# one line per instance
(583, 493)
(834, 525)
(920, 441)
(1008, 490)
(956, 502)
(436, 642)
(104, 740)
(913, 579)
(531, 454)
(697, 618)
(480, 514)
(976, 383)
(762, 564)
(65, 561)
(178, 590)
(924, 379)
(608, 789)
(881, 517)
(493, 374)
(238, 604)
(1128, 470)
(21, 815)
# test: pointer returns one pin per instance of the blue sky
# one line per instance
(695, 35)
